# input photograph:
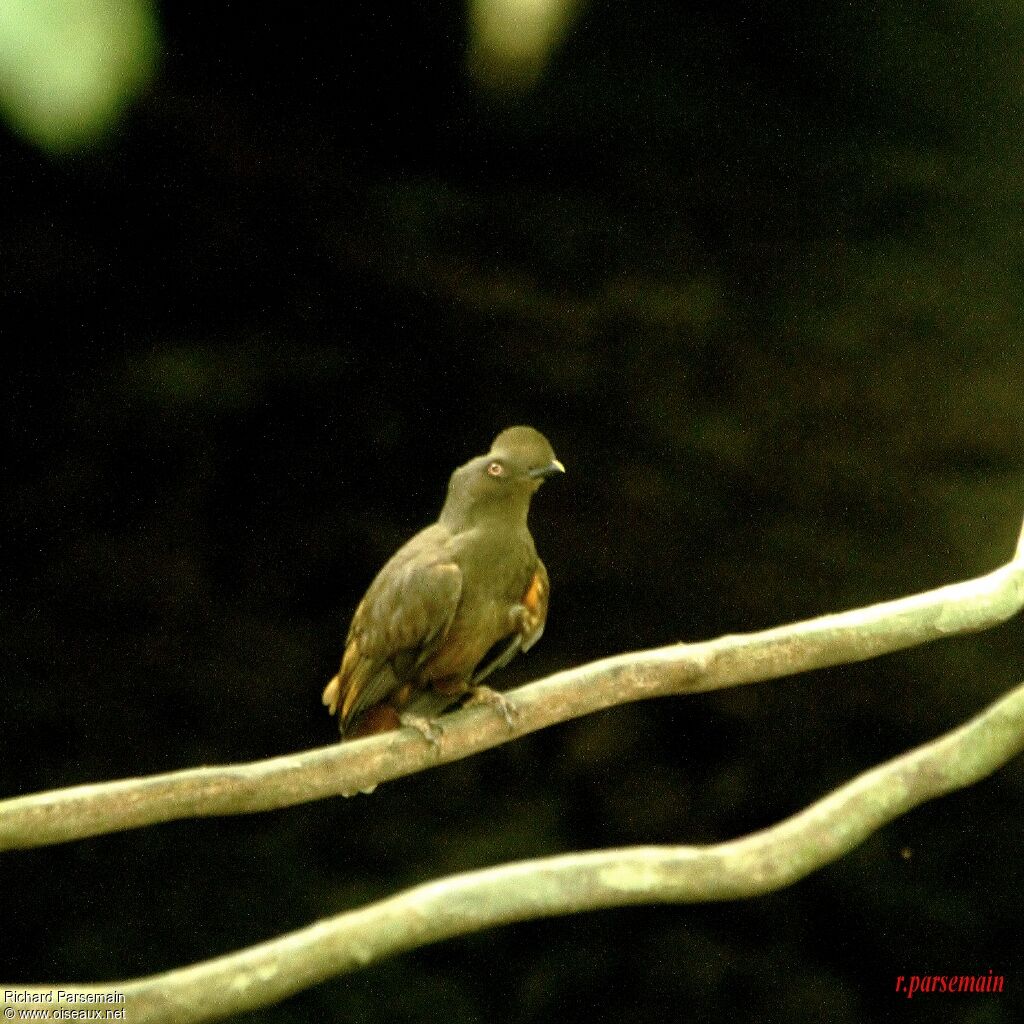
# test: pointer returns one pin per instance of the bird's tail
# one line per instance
(381, 718)
(332, 693)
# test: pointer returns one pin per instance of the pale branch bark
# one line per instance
(63, 815)
(569, 884)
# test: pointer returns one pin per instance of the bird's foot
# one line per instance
(485, 695)
(426, 727)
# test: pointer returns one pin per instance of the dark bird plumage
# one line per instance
(456, 602)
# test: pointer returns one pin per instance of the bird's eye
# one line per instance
(495, 469)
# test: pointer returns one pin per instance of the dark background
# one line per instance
(755, 269)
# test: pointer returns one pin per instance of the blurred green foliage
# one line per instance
(68, 68)
(511, 41)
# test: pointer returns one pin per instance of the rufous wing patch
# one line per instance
(534, 596)
(535, 601)
(535, 607)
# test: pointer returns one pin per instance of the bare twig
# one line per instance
(80, 811)
(553, 886)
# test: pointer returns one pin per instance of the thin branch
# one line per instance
(63, 815)
(554, 886)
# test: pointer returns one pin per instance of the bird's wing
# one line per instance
(535, 601)
(531, 624)
(405, 613)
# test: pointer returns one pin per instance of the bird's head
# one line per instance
(504, 479)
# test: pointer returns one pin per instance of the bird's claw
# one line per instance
(485, 695)
(426, 727)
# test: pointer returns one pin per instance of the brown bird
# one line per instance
(455, 603)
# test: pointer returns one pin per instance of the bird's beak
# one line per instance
(553, 468)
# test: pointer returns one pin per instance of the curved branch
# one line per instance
(553, 886)
(63, 815)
